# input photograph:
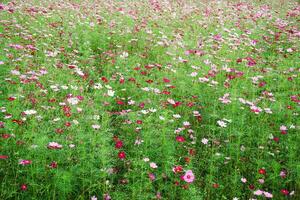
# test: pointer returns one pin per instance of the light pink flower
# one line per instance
(261, 181)
(153, 165)
(283, 128)
(258, 192)
(188, 176)
(54, 145)
(244, 180)
(204, 141)
(268, 195)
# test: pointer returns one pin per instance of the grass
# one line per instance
(133, 89)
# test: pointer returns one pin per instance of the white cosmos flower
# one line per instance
(98, 86)
(131, 102)
(73, 100)
(186, 124)
(96, 126)
(177, 116)
(222, 123)
(30, 112)
(204, 141)
(171, 101)
(193, 74)
(110, 93)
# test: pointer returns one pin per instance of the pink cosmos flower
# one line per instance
(25, 162)
(23, 187)
(268, 195)
(177, 169)
(225, 99)
(217, 37)
(258, 192)
(151, 176)
(180, 139)
(54, 145)
(153, 165)
(189, 176)
(107, 197)
(261, 181)
(3, 157)
(283, 174)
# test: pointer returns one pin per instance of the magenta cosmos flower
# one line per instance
(25, 162)
(189, 176)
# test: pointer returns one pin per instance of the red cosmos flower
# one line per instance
(11, 98)
(226, 84)
(166, 80)
(68, 124)
(104, 79)
(283, 132)
(199, 118)
(187, 159)
(3, 157)
(6, 136)
(262, 171)
(142, 105)
(192, 152)
(139, 121)
(59, 131)
(262, 84)
(23, 187)
(190, 104)
(180, 138)
(20, 142)
(177, 169)
(115, 138)
(166, 92)
(72, 66)
(251, 61)
(239, 60)
(122, 80)
(66, 109)
(53, 165)
(276, 139)
(122, 155)
(119, 102)
(215, 185)
(119, 144)
(230, 76)
(19, 122)
(52, 100)
(185, 187)
(251, 187)
(132, 79)
(80, 98)
(284, 191)
(178, 103)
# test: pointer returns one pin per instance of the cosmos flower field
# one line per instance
(150, 99)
